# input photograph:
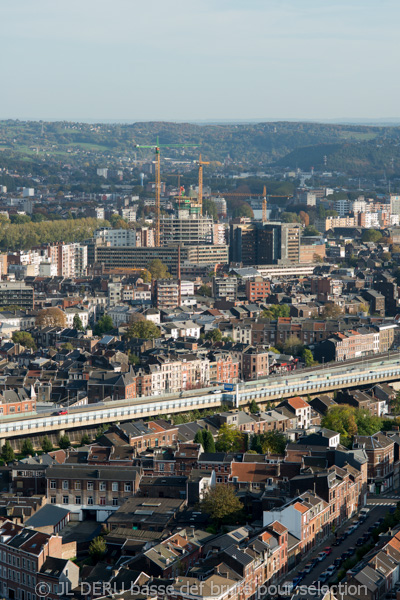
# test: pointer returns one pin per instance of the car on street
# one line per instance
(308, 568)
(338, 540)
(337, 562)
(360, 542)
(327, 550)
(330, 570)
(62, 412)
(314, 561)
(323, 577)
(322, 555)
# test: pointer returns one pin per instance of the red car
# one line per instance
(65, 412)
(327, 550)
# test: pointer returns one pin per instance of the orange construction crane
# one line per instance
(200, 194)
(156, 147)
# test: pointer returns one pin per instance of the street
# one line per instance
(378, 510)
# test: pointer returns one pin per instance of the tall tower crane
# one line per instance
(157, 148)
(200, 194)
(264, 205)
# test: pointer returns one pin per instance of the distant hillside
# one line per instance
(373, 157)
(283, 143)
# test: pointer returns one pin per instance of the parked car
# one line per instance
(321, 556)
(62, 412)
(308, 568)
(314, 561)
(360, 542)
(330, 570)
(338, 540)
(327, 550)
(323, 577)
(337, 562)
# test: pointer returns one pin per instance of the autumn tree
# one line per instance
(331, 311)
(158, 270)
(146, 276)
(292, 345)
(51, 317)
(305, 219)
(222, 504)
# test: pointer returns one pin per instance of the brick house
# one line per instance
(87, 490)
(380, 452)
(23, 554)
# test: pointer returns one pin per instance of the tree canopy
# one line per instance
(51, 317)
(103, 325)
(158, 269)
(222, 504)
(229, 439)
(145, 330)
(24, 338)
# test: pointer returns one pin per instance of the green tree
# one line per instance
(97, 549)
(101, 429)
(273, 442)
(209, 444)
(214, 335)
(205, 438)
(307, 357)
(103, 325)
(229, 439)
(145, 330)
(67, 346)
(7, 453)
(77, 323)
(133, 358)
(342, 419)
(275, 311)
(85, 440)
(253, 407)
(366, 423)
(24, 338)
(222, 504)
(64, 442)
(27, 448)
(210, 208)
(158, 270)
(310, 230)
(205, 290)
(371, 235)
(46, 444)
(395, 404)
(289, 217)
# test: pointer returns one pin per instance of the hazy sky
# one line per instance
(199, 60)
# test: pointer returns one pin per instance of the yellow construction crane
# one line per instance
(156, 147)
(200, 194)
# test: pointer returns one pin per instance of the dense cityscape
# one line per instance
(199, 364)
